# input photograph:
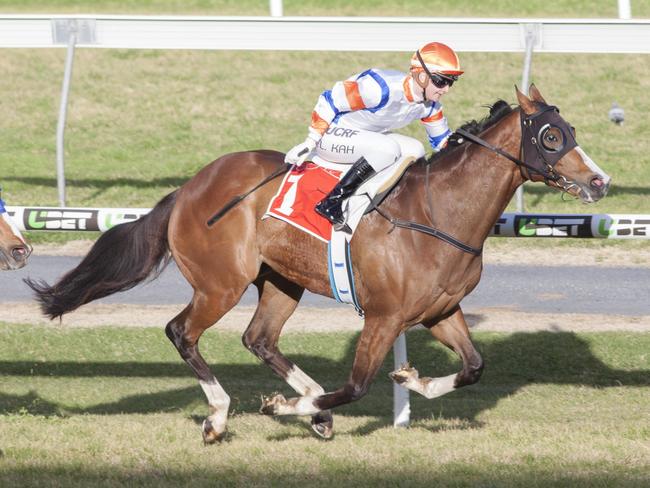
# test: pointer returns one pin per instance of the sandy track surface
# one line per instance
(307, 319)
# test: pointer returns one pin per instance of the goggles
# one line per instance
(441, 81)
(438, 79)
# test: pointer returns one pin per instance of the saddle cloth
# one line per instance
(302, 189)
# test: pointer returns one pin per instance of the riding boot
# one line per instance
(330, 207)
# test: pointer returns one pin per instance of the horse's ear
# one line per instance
(525, 103)
(535, 94)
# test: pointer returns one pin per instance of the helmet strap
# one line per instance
(422, 80)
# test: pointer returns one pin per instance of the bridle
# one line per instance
(545, 139)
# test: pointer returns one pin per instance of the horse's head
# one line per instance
(549, 146)
(14, 251)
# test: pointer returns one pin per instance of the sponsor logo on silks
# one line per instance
(553, 226)
(43, 219)
(341, 132)
(624, 227)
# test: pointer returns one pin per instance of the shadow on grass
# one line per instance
(512, 362)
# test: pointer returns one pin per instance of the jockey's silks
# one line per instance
(380, 101)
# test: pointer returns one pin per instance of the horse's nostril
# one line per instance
(19, 252)
(597, 182)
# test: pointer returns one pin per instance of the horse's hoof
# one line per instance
(211, 436)
(269, 405)
(402, 375)
(323, 424)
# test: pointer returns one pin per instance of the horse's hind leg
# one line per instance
(278, 299)
(453, 333)
(184, 331)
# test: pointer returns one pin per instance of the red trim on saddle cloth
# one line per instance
(299, 193)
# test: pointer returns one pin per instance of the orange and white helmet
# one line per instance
(438, 58)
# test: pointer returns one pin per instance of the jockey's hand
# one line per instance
(298, 154)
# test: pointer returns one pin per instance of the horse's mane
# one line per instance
(498, 110)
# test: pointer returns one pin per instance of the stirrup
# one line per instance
(325, 210)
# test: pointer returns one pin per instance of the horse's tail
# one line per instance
(121, 258)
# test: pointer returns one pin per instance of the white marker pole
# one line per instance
(276, 8)
(624, 9)
(401, 403)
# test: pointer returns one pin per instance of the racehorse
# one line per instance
(403, 276)
(14, 250)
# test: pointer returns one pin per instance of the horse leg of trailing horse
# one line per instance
(278, 299)
(453, 333)
(377, 337)
(184, 331)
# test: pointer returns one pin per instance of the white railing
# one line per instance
(325, 33)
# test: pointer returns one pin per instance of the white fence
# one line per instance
(325, 33)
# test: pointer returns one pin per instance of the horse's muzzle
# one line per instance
(15, 257)
(597, 188)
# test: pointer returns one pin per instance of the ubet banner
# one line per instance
(65, 219)
(603, 226)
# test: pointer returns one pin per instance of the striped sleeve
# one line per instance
(360, 92)
(435, 123)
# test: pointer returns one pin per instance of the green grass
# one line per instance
(116, 406)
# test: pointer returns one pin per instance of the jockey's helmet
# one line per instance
(438, 58)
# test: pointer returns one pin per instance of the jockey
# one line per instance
(350, 123)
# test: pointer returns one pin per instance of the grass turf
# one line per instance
(115, 406)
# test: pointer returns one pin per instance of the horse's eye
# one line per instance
(552, 138)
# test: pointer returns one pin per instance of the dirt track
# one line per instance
(307, 319)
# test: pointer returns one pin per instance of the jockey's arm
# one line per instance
(435, 123)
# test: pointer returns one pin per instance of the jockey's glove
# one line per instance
(298, 154)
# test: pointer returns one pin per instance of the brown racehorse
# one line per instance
(403, 277)
(14, 251)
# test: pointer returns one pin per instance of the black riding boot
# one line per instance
(330, 207)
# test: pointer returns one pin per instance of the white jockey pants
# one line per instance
(346, 146)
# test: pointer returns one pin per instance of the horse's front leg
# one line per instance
(453, 333)
(376, 339)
